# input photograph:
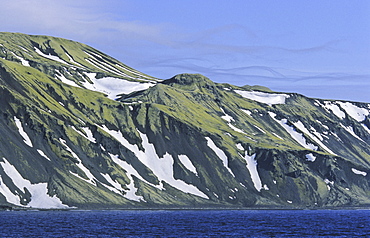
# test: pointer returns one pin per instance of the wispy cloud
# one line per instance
(92, 21)
(332, 85)
(80, 19)
(230, 52)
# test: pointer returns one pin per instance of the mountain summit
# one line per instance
(80, 129)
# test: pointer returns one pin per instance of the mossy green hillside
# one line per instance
(93, 144)
(72, 58)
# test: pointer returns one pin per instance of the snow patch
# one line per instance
(359, 172)
(366, 128)
(260, 129)
(20, 47)
(293, 133)
(49, 56)
(113, 186)
(249, 113)
(227, 117)
(88, 134)
(105, 67)
(239, 146)
(97, 61)
(317, 134)
(114, 86)
(23, 61)
(357, 113)
(25, 136)
(235, 128)
(281, 138)
(351, 131)
(329, 183)
(220, 153)
(331, 107)
(161, 167)
(39, 192)
(188, 164)
(131, 194)
(302, 128)
(252, 167)
(43, 154)
(92, 180)
(62, 78)
(299, 137)
(310, 157)
(267, 98)
(325, 126)
(7, 193)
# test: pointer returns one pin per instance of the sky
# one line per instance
(316, 48)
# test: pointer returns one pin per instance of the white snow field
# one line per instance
(188, 164)
(92, 180)
(357, 113)
(310, 157)
(131, 193)
(356, 171)
(39, 192)
(267, 98)
(161, 167)
(293, 133)
(49, 56)
(252, 167)
(220, 153)
(25, 136)
(229, 119)
(23, 61)
(114, 86)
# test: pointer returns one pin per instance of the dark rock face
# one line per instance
(181, 142)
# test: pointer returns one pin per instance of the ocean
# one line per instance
(186, 223)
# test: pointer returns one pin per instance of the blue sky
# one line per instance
(316, 48)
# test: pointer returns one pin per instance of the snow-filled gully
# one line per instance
(21, 131)
(299, 137)
(114, 86)
(262, 97)
(161, 167)
(39, 192)
(220, 153)
(252, 167)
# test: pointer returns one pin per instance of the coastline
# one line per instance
(254, 208)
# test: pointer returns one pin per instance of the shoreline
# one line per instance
(259, 208)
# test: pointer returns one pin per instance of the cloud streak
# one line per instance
(333, 85)
(81, 20)
(230, 52)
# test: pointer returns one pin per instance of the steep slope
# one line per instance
(80, 129)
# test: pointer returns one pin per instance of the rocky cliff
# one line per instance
(80, 129)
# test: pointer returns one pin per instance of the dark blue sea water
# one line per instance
(186, 223)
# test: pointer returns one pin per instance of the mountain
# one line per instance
(80, 129)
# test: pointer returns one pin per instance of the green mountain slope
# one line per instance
(80, 129)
